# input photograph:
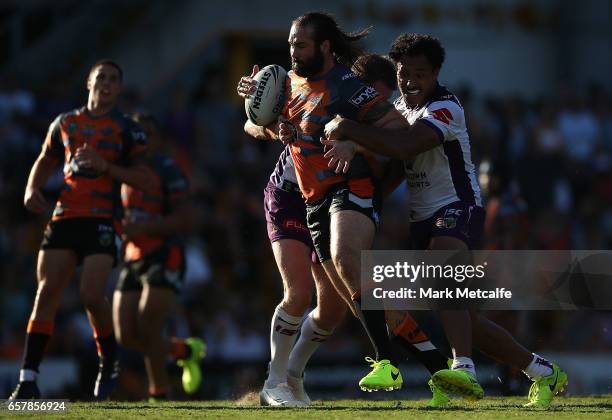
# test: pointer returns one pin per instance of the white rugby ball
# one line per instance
(266, 104)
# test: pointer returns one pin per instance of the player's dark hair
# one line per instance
(107, 62)
(417, 44)
(343, 45)
(372, 67)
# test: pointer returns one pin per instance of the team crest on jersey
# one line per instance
(72, 127)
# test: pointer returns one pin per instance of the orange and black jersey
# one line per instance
(312, 103)
(116, 137)
(168, 189)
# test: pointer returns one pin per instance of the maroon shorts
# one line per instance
(286, 215)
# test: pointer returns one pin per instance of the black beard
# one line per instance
(311, 67)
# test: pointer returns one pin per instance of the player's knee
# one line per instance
(329, 318)
(45, 290)
(129, 341)
(343, 261)
(91, 298)
(297, 301)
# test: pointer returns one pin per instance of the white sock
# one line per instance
(282, 336)
(465, 364)
(311, 337)
(538, 367)
(27, 375)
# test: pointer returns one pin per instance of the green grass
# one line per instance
(504, 408)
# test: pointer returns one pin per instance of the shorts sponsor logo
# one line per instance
(105, 228)
(295, 225)
(105, 238)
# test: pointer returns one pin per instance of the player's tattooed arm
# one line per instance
(391, 135)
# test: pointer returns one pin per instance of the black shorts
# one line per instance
(83, 235)
(164, 267)
(339, 198)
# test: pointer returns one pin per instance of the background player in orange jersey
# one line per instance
(154, 268)
(100, 148)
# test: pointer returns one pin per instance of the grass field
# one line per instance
(571, 407)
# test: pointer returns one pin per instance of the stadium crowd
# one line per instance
(545, 166)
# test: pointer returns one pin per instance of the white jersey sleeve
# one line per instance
(446, 118)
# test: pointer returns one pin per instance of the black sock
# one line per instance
(35, 345)
(375, 324)
(434, 360)
(107, 346)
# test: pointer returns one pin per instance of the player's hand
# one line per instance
(333, 129)
(87, 157)
(132, 230)
(34, 200)
(287, 133)
(340, 154)
(246, 85)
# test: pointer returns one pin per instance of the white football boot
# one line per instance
(279, 396)
(297, 386)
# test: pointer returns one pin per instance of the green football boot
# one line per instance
(192, 374)
(458, 382)
(384, 376)
(438, 397)
(545, 388)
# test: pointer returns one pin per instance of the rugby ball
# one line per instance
(266, 104)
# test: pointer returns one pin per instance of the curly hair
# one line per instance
(416, 44)
(373, 67)
(343, 45)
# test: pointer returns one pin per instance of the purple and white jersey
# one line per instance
(444, 174)
(284, 169)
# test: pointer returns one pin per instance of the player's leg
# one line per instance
(457, 323)
(497, 343)
(291, 245)
(94, 276)
(457, 226)
(408, 336)
(346, 244)
(153, 310)
(293, 260)
(55, 269)
(126, 299)
(316, 329)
